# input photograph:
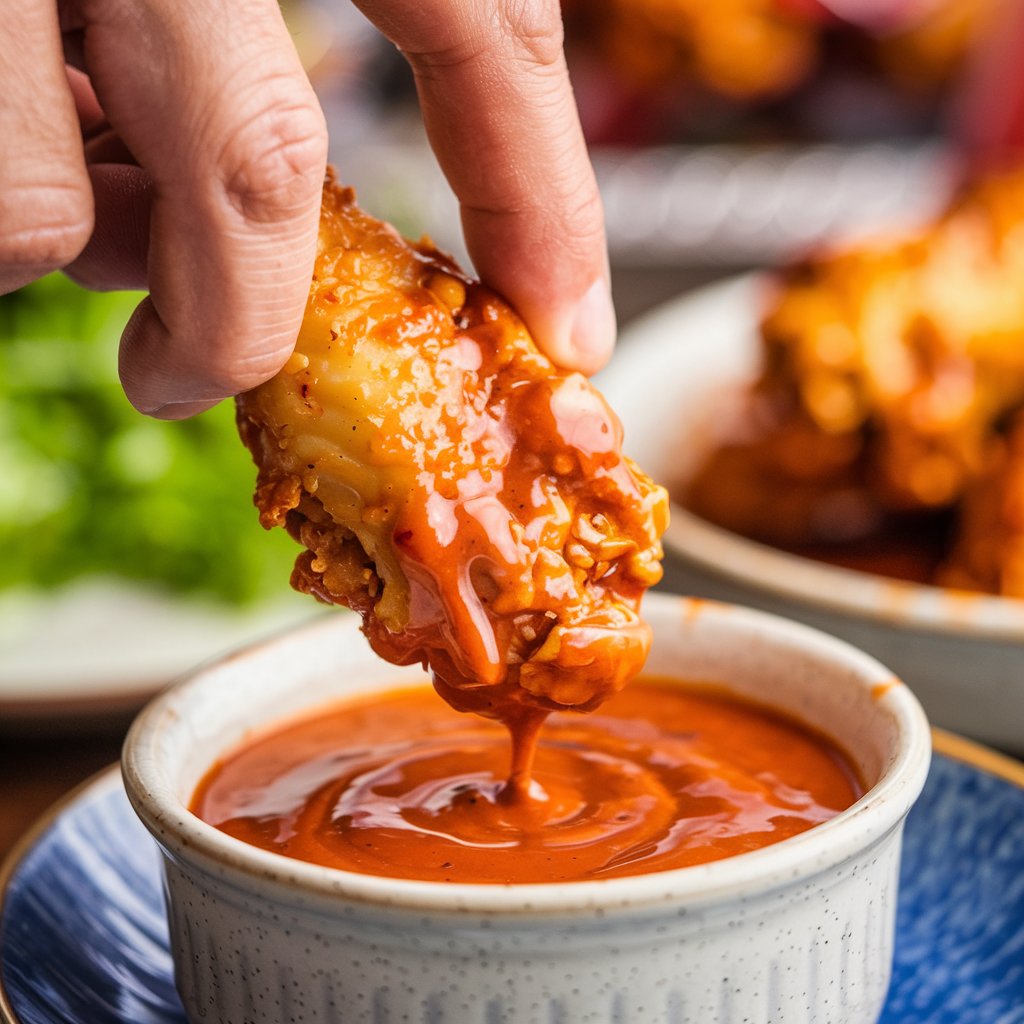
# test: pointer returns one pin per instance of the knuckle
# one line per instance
(44, 226)
(529, 32)
(576, 230)
(585, 217)
(275, 163)
(574, 221)
(447, 55)
(535, 26)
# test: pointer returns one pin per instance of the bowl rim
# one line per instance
(186, 838)
(850, 592)
(853, 593)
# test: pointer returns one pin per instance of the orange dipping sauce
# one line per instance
(399, 784)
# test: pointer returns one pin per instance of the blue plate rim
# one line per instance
(948, 744)
(24, 846)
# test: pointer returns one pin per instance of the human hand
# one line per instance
(190, 161)
(502, 120)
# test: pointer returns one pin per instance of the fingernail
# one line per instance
(593, 327)
(178, 410)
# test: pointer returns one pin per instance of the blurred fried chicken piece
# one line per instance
(755, 50)
(783, 481)
(451, 485)
(743, 49)
(891, 371)
(913, 346)
(988, 547)
(899, 359)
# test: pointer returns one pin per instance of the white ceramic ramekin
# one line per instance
(799, 933)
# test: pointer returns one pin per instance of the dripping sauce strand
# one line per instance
(524, 734)
(399, 785)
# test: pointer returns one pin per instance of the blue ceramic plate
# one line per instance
(83, 939)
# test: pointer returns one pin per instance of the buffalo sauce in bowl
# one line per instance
(398, 784)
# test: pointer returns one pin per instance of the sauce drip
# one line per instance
(661, 777)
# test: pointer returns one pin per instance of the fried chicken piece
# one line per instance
(890, 371)
(988, 548)
(914, 345)
(451, 485)
(782, 481)
(751, 51)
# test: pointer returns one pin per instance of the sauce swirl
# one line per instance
(400, 785)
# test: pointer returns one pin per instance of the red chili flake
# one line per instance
(305, 390)
(404, 537)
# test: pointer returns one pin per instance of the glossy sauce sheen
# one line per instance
(662, 777)
(451, 484)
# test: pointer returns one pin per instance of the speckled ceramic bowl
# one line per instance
(961, 653)
(800, 932)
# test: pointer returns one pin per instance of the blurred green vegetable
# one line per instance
(88, 485)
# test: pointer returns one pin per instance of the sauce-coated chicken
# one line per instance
(449, 483)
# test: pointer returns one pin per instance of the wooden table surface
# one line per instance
(35, 771)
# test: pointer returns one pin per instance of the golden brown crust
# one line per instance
(914, 345)
(891, 372)
(988, 548)
(449, 483)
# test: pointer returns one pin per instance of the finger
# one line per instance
(45, 203)
(87, 107)
(117, 253)
(115, 257)
(988, 116)
(501, 117)
(219, 114)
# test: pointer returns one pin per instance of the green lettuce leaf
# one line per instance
(89, 486)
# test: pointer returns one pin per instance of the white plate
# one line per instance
(94, 651)
(690, 205)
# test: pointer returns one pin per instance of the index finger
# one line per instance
(501, 117)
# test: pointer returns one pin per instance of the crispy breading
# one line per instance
(914, 344)
(449, 483)
(892, 386)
